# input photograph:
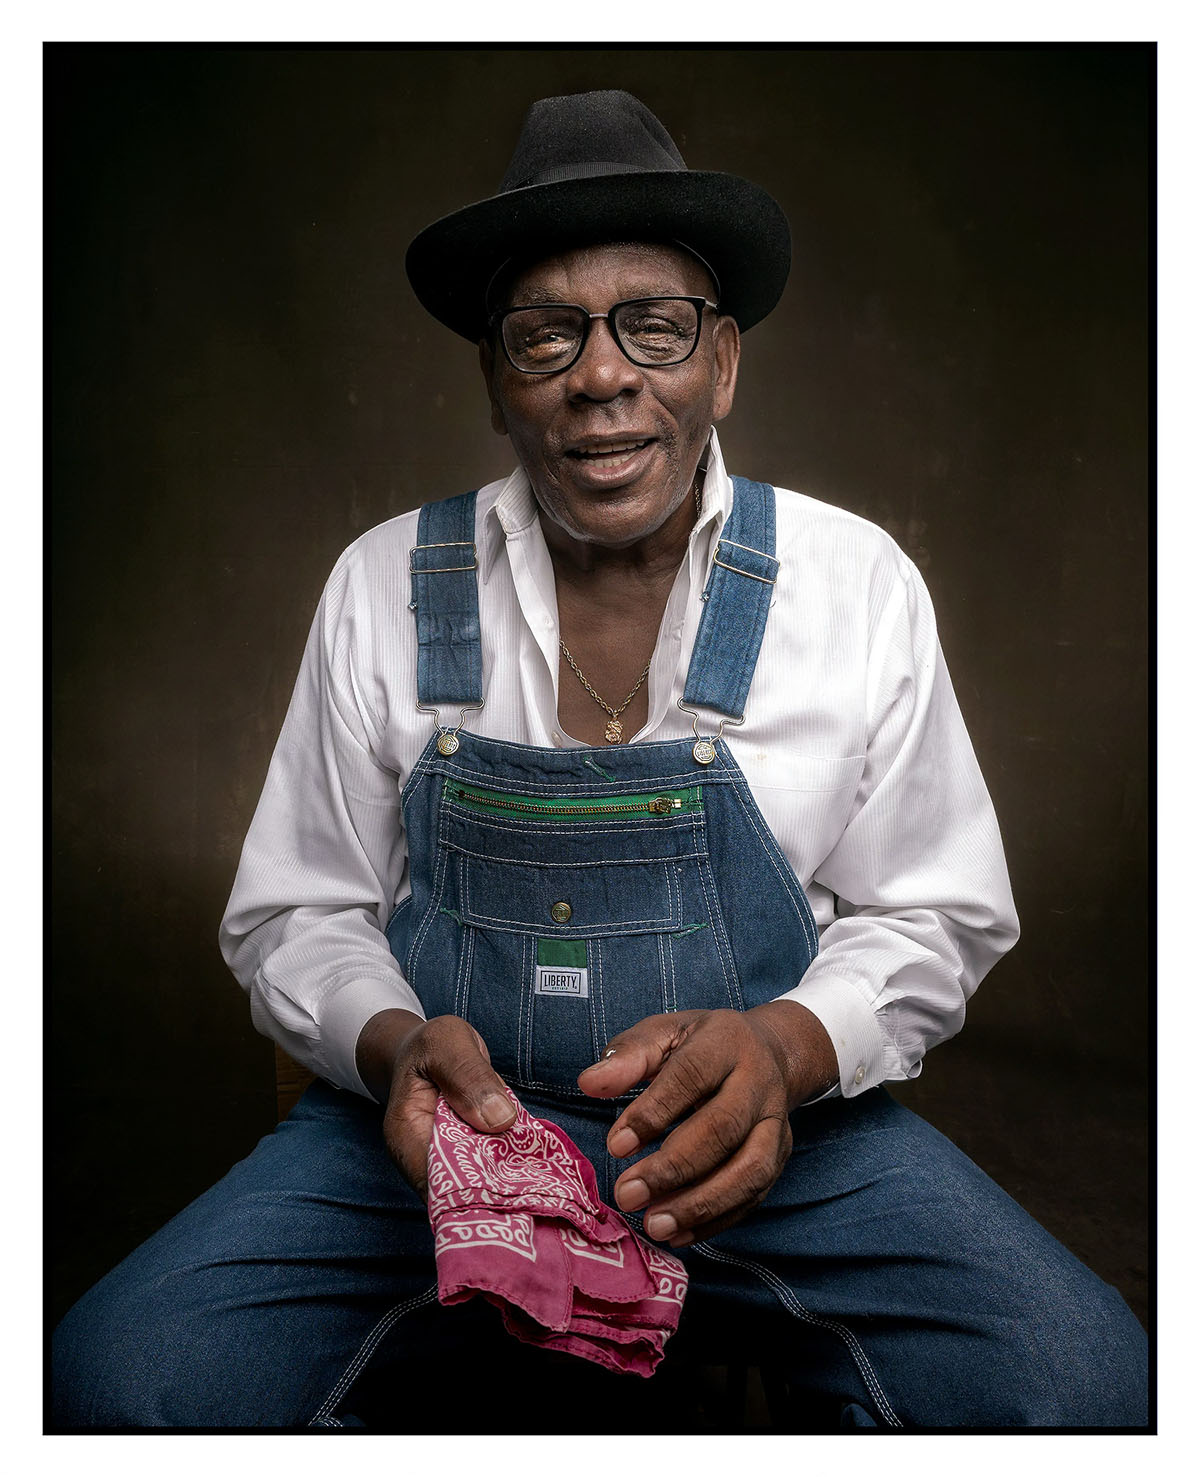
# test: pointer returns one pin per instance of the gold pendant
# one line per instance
(613, 731)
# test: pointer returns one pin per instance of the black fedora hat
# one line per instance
(594, 167)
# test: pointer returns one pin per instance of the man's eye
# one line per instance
(655, 327)
(541, 338)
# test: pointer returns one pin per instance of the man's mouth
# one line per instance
(608, 453)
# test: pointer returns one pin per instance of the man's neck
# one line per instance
(650, 561)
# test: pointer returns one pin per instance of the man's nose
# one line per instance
(602, 372)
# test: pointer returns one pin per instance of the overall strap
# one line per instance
(446, 603)
(736, 599)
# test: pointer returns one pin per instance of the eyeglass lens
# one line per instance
(651, 331)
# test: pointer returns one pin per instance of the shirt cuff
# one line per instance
(346, 1012)
(858, 1040)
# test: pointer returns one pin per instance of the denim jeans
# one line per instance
(896, 1284)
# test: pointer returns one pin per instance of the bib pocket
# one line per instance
(568, 912)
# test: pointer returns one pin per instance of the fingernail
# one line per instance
(632, 1195)
(623, 1142)
(497, 1111)
(603, 1059)
(661, 1226)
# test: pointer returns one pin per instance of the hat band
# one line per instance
(590, 170)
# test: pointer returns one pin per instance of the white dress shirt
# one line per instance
(853, 746)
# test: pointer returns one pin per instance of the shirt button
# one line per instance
(557, 738)
(859, 1075)
(561, 912)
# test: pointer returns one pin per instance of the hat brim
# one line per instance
(733, 224)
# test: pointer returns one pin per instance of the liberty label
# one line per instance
(557, 979)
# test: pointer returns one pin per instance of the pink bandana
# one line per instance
(517, 1216)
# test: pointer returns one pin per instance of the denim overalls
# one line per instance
(560, 896)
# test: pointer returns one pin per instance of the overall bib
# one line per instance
(560, 896)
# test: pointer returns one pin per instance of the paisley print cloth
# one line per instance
(517, 1218)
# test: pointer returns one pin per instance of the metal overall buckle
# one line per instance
(458, 543)
(447, 739)
(704, 750)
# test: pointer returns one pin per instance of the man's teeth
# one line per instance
(621, 449)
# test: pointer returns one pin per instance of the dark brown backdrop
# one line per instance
(242, 382)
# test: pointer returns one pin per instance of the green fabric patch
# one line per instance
(562, 953)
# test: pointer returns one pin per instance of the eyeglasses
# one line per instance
(652, 332)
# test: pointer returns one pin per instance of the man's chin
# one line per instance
(616, 521)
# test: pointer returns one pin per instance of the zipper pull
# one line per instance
(662, 804)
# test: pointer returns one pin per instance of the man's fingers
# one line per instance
(714, 1133)
(407, 1130)
(636, 1054)
(453, 1059)
(689, 1075)
(446, 1056)
(482, 1103)
(724, 1196)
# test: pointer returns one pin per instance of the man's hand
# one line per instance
(406, 1062)
(729, 1080)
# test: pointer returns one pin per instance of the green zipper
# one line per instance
(495, 802)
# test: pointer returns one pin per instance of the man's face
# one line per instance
(571, 430)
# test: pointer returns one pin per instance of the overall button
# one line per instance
(561, 912)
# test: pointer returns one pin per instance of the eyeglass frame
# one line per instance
(496, 324)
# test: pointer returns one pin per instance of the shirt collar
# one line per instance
(716, 494)
(514, 508)
(512, 511)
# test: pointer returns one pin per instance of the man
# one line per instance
(685, 739)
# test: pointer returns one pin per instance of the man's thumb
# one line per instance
(480, 1098)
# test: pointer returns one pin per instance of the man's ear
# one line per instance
(727, 353)
(487, 363)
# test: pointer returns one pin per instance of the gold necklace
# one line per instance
(613, 730)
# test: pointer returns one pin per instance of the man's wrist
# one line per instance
(378, 1045)
(807, 1060)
